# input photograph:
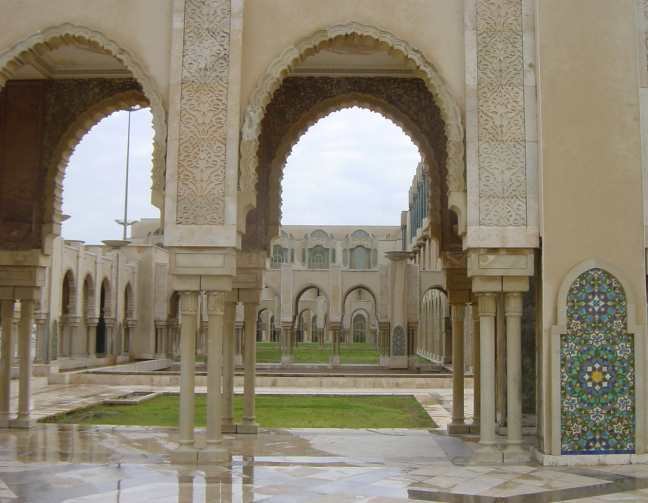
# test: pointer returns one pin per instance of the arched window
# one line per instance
(318, 257)
(359, 328)
(279, 255)
(360, 258)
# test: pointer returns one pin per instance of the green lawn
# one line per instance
(313, 352)
(273, 411)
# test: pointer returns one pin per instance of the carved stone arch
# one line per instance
(56, 36)
(291, 56)
(59, 158)
(302, 290)
(338, 102)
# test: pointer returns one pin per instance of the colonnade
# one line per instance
(10, 309)
(221, 312)
(484, 352)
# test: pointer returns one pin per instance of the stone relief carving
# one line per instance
(302, 101)
(203, 113)
(449, 111)
(501, 126)
(14, 58)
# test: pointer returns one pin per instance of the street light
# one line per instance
(125, 222)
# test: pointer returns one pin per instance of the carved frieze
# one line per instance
(203, 113)
(501, 119)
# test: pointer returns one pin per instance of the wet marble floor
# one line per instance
(76, 464)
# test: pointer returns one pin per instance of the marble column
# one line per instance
(334, 329)
(189, 311)
(228, 425)
(110, 336)
(74, 323)
(249, 424)
(5, 364)
(238, 343)
(91, 325)
(214, 452)
(458, 424)
(487, 451)
(41, 355)
(24, 419)
(286, 343)
(474, 427)
(513, 312)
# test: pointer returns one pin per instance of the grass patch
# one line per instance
(273, 411)
(313, 352)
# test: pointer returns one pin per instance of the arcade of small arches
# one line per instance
(464, 281)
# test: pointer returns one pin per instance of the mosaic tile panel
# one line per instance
(597, 369)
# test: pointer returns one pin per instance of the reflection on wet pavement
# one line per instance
(77, 464)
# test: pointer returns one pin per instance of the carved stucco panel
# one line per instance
(203, 113)
(501, 113)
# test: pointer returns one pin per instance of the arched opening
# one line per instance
(69, 318)
(359, 327)
(434, 339)
(104, 314)
(50, 107)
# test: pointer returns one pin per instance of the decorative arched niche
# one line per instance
(597, 367)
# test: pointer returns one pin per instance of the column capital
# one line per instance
(487, 304)
(513, 304)
(188, 302)
(215, 303)
(92, 321)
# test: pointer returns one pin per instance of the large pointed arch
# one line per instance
(16, 56)
(281, 67)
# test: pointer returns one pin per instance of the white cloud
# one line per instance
(354, 167)
(93, 189)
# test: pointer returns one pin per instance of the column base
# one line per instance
(515, 454)
(458, 428)
(227, 426)
(184, 455)
(213, 454)
(247, 427)
(487, 455)
(474, 427)
(334, 361)
(24, 422)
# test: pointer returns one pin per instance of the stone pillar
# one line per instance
(5, 363)
(161, 339)
(286, 343)
(334, 329)
(214, 452)
(186, 453)
(474, 427)
(383, 331)
(249, 424)
(41, 355)
(91, 326)
(513, 312)
(458, 425)
(487, 451)
(110, 337)
(238, 343)
(228, 425)
(73, 323)
(25, 355)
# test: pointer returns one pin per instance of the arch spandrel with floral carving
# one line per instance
(597, 369)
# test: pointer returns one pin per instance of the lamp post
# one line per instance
(125, 222)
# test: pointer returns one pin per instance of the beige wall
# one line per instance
(142, 27)
(434, 27)
(590, 145)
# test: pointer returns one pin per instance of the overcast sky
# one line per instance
(354, 167)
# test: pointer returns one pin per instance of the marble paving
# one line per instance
(93, 464)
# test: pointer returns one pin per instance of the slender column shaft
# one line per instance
(92, 337)
(476, 366)
(188, 309)
(457, 426)
(487, 310)
(25, 356)
(513, 313)
(249, 414)
(228, 366)
(5, 363)
(215, 313)
(41, 343)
